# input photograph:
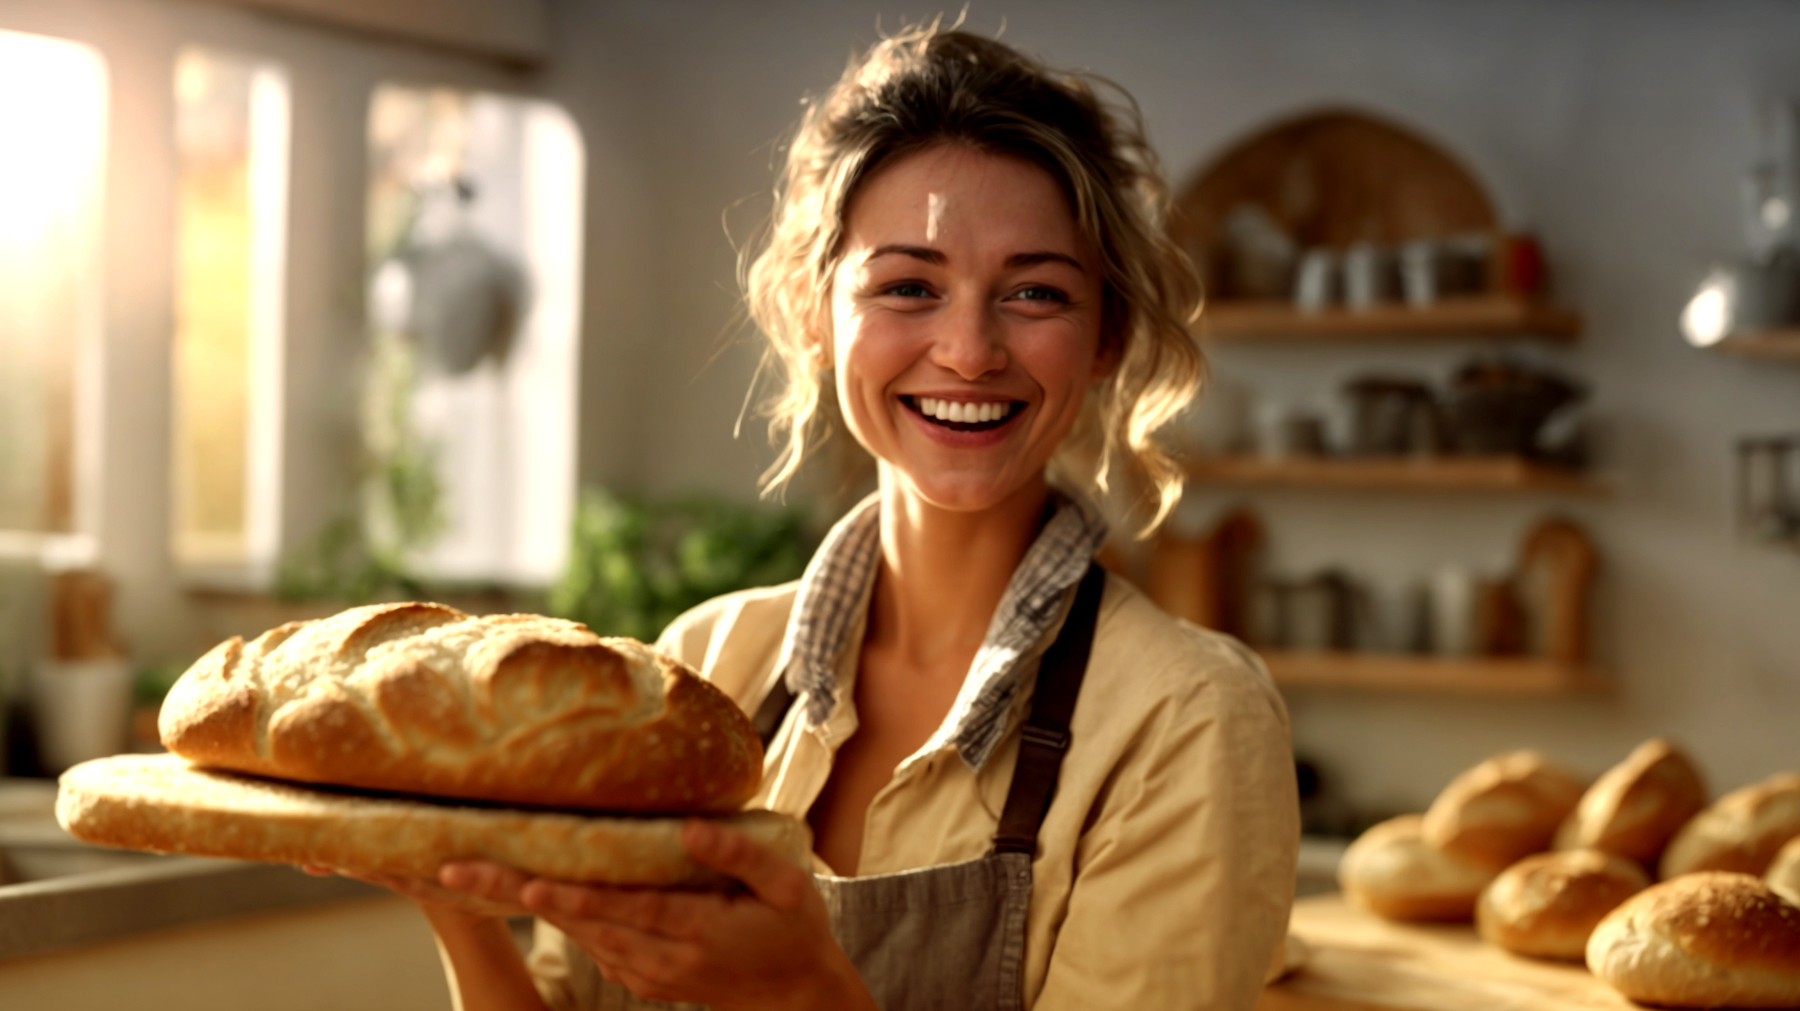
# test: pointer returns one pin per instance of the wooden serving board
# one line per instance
(1360, 962)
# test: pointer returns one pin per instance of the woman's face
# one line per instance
(965, 324)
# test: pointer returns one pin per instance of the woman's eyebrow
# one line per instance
(1045, 256)
(925, 253)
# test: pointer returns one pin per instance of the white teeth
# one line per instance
(962, 412)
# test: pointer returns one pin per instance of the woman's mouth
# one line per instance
(964, 415)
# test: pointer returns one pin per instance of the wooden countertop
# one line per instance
(1360, 962)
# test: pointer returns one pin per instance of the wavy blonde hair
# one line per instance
(925, 87)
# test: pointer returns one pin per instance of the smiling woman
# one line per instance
(1028, 786)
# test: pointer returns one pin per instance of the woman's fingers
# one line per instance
(772, 877)
(483, 879)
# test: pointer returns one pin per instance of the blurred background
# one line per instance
(306, 303)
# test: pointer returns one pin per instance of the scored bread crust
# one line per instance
(1393, 872)
(1742, 831)
(1705, 940)
(1637, 806)
(422, 698)
(163, 804)
(1502, 809)
(1547, 904)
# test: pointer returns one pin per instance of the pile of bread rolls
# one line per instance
(1549, 866)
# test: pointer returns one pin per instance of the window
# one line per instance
(53, 104)
(231, 126)
(474, 231)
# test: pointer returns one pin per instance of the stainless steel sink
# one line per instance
(59, 892)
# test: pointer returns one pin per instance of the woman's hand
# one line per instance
(484, 890)
(771, 948)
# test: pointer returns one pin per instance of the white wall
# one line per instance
(1615, 130)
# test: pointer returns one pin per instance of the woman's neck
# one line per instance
(943, 571)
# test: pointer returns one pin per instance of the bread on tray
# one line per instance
(1393, 872)
(163, 804)
(423, 699)
(1502, 809)
(1742, 831)
(1784, 873)
(1547, 904)
(1705, 940)
(1637, 806)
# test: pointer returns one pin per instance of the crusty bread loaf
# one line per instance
(1742, 831)
(423, 699)
(1547, 904)
(163, 804)
(1636, 807)
(1784, 873)
(1391, 871)
(1502, 809)
(1706, 940)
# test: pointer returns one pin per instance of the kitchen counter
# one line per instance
(1360, 962)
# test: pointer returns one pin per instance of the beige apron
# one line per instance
(954, 936)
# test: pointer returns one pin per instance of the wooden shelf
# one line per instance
(1395, 672)
(1450, 319)
(1431, 473)
(1772, 345)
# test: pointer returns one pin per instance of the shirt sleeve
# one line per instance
(1185, 877)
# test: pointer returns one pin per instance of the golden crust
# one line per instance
(1637, 806)
(1710, 939)
(1742, 831)
(1547, 904)
(162, 804)
(1391, 871)
(1784, 873)
(421, 698)
(1502, 809)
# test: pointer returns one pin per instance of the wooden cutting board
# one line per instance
(1360, 962)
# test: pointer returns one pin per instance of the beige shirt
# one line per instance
(1165, 866)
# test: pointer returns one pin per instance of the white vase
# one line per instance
(82, 707)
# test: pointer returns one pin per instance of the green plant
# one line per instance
(635, 565)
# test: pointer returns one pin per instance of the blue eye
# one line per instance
(907, 289)
(1041, 293)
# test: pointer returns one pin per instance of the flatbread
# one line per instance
(163, 804)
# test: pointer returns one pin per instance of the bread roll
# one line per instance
(1784, 873)
(1742, 831)
(1391, 871)
(1635, 807)
(1706, 940)
(162, 804)
(1547, 904)
(1502, 809)
(423, 699)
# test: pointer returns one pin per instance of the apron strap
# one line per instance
(773, 710)
(1043, 738)
(1045, 735)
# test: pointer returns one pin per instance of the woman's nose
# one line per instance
(972, 343)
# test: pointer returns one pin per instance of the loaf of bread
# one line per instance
(1502, 809)
(1548, 903)
(1706, 940)
(1784, 873)
(1637, 806)
(1391, 871)
(423, 699)
(1742, 831)
(163, 804)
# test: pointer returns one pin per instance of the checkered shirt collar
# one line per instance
(836, 583)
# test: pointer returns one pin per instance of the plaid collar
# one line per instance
(836, 584)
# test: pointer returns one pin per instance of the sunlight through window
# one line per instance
(53, 108)
(231, 123)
